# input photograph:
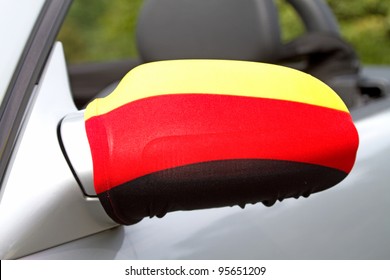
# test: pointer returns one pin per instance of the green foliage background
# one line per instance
(105, 29)
(100, 30)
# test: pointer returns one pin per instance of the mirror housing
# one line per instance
(195, 134)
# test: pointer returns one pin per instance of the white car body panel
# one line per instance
(41, 203)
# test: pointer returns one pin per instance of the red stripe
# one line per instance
(162, 132)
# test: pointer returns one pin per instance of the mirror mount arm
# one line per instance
(74, 144)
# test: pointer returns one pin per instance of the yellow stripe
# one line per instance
(238, 78)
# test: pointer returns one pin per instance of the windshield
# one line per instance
(14, 34)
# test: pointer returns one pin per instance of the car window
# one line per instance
(292, 25)
(99, 45)
(100, 32)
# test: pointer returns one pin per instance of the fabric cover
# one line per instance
(193, 134)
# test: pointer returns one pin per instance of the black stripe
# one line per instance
(215, 184)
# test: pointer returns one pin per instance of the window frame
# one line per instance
(27, 75)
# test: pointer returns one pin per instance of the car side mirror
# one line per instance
(194, 134)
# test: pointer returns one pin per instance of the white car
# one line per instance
(48, 204)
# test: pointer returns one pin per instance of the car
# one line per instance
(49, 208)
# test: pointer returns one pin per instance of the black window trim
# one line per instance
(27, 75)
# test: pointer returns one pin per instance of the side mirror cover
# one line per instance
(194, 134)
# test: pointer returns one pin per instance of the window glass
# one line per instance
(14, 33)
(100, 30)
(291, 24)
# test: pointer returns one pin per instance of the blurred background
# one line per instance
(91, 26)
